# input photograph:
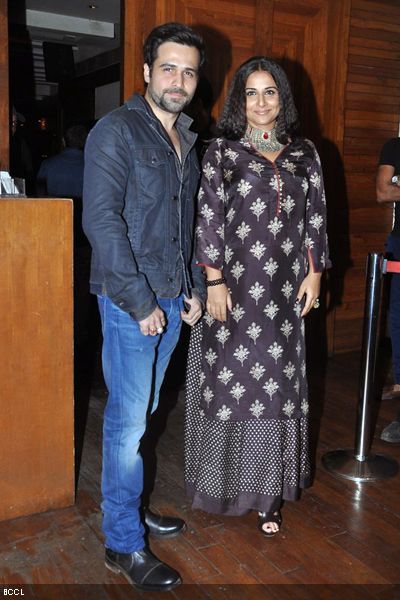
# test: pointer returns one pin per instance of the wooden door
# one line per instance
(309, 38)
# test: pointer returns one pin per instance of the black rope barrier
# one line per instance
(360, 464)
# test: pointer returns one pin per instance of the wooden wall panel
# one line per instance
(233, 31)
(371, 116)
(4, 112)
(36, 356)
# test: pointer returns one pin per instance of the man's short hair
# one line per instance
(75, 136)
(171, 32)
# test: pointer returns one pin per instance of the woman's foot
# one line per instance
(269, 523)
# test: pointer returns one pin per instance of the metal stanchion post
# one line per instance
(360, 464)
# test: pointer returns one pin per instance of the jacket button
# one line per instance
(174, 198)
(174, 239)
(170, 279)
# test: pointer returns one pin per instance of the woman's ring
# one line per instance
(316, 303)
(160, 329)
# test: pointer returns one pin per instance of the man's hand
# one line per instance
(192, 315)
(153, 324)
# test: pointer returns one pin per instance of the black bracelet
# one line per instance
(211, 282)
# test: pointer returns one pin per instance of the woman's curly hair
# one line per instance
(233, 122)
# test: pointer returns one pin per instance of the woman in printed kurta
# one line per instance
(261, 235)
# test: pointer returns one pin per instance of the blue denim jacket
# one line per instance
(139, 209)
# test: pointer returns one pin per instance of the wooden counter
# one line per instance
(36, 356)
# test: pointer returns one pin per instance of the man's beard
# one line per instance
(171, 105)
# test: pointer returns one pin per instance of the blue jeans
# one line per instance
(393, 250)
(133, 366)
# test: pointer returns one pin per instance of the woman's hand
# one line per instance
(218, 300)
(310, 288)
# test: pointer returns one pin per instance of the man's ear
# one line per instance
(146, 72)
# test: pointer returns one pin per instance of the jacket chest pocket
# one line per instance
(152, 172)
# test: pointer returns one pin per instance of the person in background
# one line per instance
(141, 178)
(261, 238)
(388, 190)
(21, 164)
(61, 176)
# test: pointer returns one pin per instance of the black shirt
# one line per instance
(390, 155)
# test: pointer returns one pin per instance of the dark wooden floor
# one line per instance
(339, 534)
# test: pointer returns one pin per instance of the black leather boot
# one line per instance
(163, 527)
(143, 570)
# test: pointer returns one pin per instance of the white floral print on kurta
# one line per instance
(243, 231)
(286, 329)
(289, 370)
(287, 246)
(257, 409)
(237, 391)
(228, 254)
(304, 406)
(258, 250)
(287, 290)
(208, 319)
(224, 413)
(257, 371)
(254, 332)
(208, 395)
(316, 221)
(271, 387)
(296, 267)
(229, 215)
(256, 291)
(257, 167)
(237, 271)
(258, 207)
(207, 213)
(212, 252)
(237, 312)
(270, 267)
(288, 205)
(276, 351)
(241, 353)
(231, 154)
(225, 375)
(275, 226)
(244, 188)
(211, 356)
(228, 175)
(288, 408)
(208, 171)
(222, 335)
(271, 310)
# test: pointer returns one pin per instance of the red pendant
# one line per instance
(265, 135)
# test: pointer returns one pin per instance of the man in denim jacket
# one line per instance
(141, 177)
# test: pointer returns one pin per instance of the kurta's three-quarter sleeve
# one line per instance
(316, 240)
(211, 209)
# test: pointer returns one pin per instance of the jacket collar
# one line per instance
(138, 102)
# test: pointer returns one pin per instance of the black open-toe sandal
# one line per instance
(269, 517)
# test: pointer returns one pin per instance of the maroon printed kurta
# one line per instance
(262, 223)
